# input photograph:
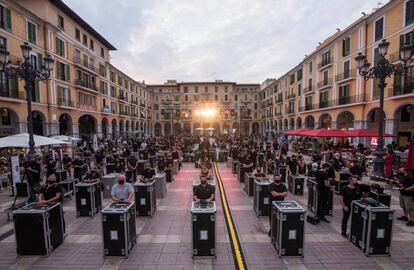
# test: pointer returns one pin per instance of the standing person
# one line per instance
(293, 165)
(389, 160)
(323, 187)
(32, 170)
(67, 162)
(278, 192)
(122, 191)
(407, 197)
(78, 166)
(348, 194)
(132, 164)
(51, 167)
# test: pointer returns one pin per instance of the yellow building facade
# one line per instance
(325, 89)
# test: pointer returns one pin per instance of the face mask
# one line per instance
(277, 181)
(121, 182)
(50, 182)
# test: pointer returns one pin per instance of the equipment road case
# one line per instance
(160, 185)
(248, 183)
(383, 198)
(145, 198)
(69, 187)
(229, 162)
(282, 171)
(108, 181)
(235, 165)
(38, 228)
(240, 173)
(295, 184)
(109, 168)
(197, 182)
(204, 229)
(175, 166)
(261, 197)
(118, 229)
(313, 199)
(288, 223)
(88, 198)
(371, 227)
(61, 175)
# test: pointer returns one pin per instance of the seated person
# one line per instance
(206, 172)
(51, 192)
(161, 165)
(122, 191)
(119, 166)
(93, 175)
(148, 174)
(258, 174)
(203, 192)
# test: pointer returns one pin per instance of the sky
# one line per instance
(244, 41)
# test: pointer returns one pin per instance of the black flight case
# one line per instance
(371, 227)
(248, 183)
(240, 173)
(38, 228)
(261, 197)
(381, 197)
(235, 165)
(118, 229)
(288, 223)
(88, 199)
(282, 171)
(313, 199)
(145, 198)
(295, 184)
(204, 229)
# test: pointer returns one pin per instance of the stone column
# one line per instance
(99, 130)
(75, 129)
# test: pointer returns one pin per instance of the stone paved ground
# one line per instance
(164, 241)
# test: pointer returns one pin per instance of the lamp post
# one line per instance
(28, 72)
(381, 71)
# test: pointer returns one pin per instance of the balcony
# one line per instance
(124, 113)
(86, 107)
(79, 62)
(349, 100)
(324, 84)
(309, 89)
(290, 110)
(64, 102)
(14, 95)
(278, 114)
(291, 96)
(399, 90)
(346, 76)
(122, 97)
(279, 100)
(326, 104)
(86, 84)
(324, 63)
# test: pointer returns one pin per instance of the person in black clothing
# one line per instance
(132, 164)
(92, 176)
(161, 165)
(323, 186)
(301, 168)
(51, 192)
(99, 158)
(248, 164)
(407, 196)
(278, 192)
(67, 162)
(50, 167)
(119, 166)
(356, 169)
(348, 194)
(270, 168)
(33, 176)
(148, 174)
(293, 165)
(78, 167)
(203, 192)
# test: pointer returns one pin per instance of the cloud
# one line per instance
(243, 41)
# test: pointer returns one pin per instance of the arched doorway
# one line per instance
(141, 127)
(325, 121)
(286, 124)
(246, 127)
(177, 128)
(9, 122)
(373, 119)
(167, 129)
(309, 122)
(291, 123)
(121, 128)
(404, 122)
(157, 129)
(65, 124)
(87, 126)
(114, 128)
(345, 120)
(39, 125)
(187, 128)
(298, 123)
(104, 126)
(255, 128)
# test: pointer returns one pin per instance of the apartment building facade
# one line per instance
(325, 89)
(85, 95)
(179, 106)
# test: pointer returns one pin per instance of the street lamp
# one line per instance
(28, 72)
(381, 71)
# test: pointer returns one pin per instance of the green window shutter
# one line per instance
(67, 67)
(57, 45)
(343, 47)
(37, 91)
(402, 41)
(8, 19)
(58, 70)
(14, 87)
(39, 60)
(376, 56)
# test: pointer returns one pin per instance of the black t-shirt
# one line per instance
(321, 177)
(293, 166)
(50, 192)
(132, 160)
(407, 181)
(66, 160)
(77, 162)
(51, 167)
(350, 194)
(91, 176)
(175, 155)
(99, 157)
(203, 192)
(148, 173)
(279, 188)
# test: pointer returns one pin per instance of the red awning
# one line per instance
(324, 132)
(295, 131)
(365, 133)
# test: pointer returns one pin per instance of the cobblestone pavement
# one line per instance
(164, 241)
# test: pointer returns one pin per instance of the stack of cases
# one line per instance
(295, 184)
(261, 197)
(145, 198)
(118, 228)
(288, 223)
(383, 198)
(313, 201)
(46, 231)
(343, 178)
(204, 229)
(88, 199)
(248, 184)
(371, 227)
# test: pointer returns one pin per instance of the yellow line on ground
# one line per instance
(232, 230)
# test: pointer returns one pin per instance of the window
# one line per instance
(235, 97)
(85, 40)
(5, 18)
(60, 47)
(185, 89)
(61, 22)
(196, 98)
(226, 98)
(310, 85)
(62, 71)
(379, 29)
(299, 74)
(186, 97)
(346, 69)
(206, 89)
(299, 89)
(216, 97)
(31, 32)
(407, 39)
(409, 12)
(91, 45)
(325, 78)
(326, 58)
(216, 89)
(343, 95)
(226, 89)
(292, 78)
(346, 46)
(102, 70)
(102, 52)
(310, 68)
(196, 89)
(77, 34)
